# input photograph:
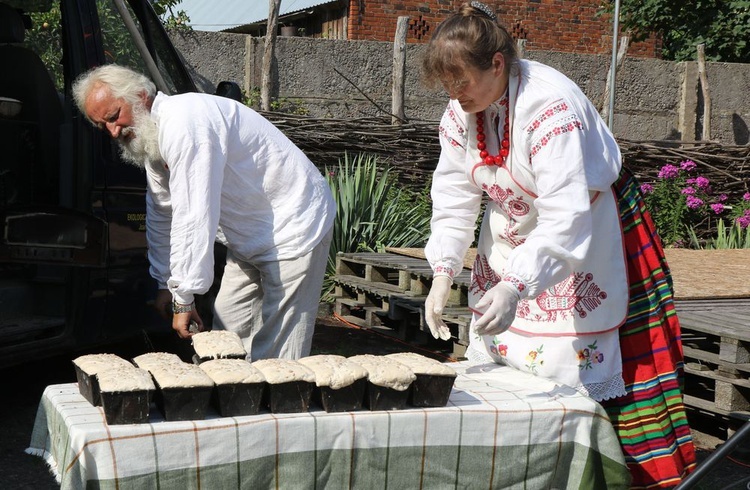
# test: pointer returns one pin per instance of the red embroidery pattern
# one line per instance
(567, 125)
(456, 130)
(577, 294)
(483, 277)
(513, 207)
(515, 281)
(442, 269)
(556, 108)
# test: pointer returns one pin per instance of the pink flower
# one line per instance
(688, 191)
(746, 196)
(688, 165)
(668, 172)
(744, 220)
(717, 208)
(694, 202)
(702, 183)
(648, 188)
(722, 198)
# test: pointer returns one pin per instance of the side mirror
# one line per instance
(230, 90)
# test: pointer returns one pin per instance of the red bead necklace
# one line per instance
(488, 159)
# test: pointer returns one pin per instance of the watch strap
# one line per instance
(180, 308)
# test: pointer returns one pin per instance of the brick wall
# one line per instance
(569, 26)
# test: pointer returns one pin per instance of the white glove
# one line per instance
(498, 309)
(433, 307)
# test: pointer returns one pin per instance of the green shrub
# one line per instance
(373, 211)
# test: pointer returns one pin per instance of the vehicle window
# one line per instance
(44, 38)
(118, 43)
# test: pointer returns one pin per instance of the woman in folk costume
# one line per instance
(570, 281)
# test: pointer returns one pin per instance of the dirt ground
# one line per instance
(25, 385)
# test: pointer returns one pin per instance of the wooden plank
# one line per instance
(710, 323)
(379, 288)
(716, 376)
(706, 405)
(713, 358)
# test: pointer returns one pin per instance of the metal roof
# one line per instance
(210, 15)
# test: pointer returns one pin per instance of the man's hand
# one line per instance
(181, 324)
(163, 303)
(433, 307)
(498, 309)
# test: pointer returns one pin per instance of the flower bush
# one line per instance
(688, 212)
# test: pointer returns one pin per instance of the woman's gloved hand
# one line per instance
(433, 307)
(497, 308)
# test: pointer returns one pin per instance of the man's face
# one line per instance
(131, 125)
(109, 114)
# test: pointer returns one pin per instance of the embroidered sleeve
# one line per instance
(455, 201)
(517, 283)
(554, 121)
(557, 144)
(451, 129)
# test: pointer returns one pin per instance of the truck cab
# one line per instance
(73, 265)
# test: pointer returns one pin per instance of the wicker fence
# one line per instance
(413, 148)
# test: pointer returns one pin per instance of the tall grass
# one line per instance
(373, 211)
(733, 236)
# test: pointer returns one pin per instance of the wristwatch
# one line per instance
(180, 308)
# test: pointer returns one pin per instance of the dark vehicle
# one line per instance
(73, 265)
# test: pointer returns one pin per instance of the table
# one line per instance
(501, 429)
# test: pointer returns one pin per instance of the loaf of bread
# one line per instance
(88, 366)
(339, 383)
(434, 381)
(239, 386)
(289, 385)
(183, 391)
(388, 381)
(218, 344)
(155, 359)
(126, 393)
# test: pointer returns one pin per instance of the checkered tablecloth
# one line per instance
(501, 429)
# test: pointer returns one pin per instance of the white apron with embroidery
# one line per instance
(568, 333)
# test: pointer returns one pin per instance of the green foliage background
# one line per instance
(723, 26)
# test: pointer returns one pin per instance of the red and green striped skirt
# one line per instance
(650, 420)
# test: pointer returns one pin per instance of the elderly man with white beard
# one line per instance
(218, 171)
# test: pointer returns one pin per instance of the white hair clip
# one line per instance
(485, 10)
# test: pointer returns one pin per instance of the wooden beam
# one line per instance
(399, 71)
(706, 95)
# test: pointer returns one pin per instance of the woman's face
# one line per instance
(476, 89)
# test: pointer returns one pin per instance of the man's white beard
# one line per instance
(143, 147)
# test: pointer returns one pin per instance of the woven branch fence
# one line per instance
(412, 150)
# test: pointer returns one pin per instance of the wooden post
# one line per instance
(704, 89)
(608, 88)
(399, 71)
(268, 54)
(521, 48)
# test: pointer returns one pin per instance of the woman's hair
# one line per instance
(468, 38)
(123, 83)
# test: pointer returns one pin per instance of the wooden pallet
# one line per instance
(716, 343)
(387, 291)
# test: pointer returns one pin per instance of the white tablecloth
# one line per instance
(500, 429)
